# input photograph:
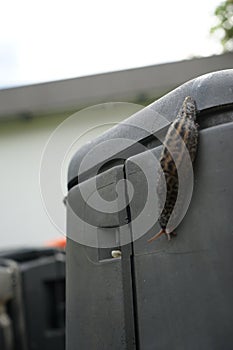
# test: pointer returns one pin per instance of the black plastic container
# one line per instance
(32, 299)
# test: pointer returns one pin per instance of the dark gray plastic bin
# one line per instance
(163, 295)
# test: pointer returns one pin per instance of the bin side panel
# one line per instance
(184, 287)
(96, 293)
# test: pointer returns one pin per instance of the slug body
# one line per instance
(184, 128)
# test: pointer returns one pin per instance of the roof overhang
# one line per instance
(128, 85)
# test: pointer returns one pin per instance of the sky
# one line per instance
(50, 40)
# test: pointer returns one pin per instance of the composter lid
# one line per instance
(210, 91)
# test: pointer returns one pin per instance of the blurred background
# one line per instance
(57, 58)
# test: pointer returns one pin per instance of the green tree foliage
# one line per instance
(224, 14)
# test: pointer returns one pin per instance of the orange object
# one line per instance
(57, 243)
